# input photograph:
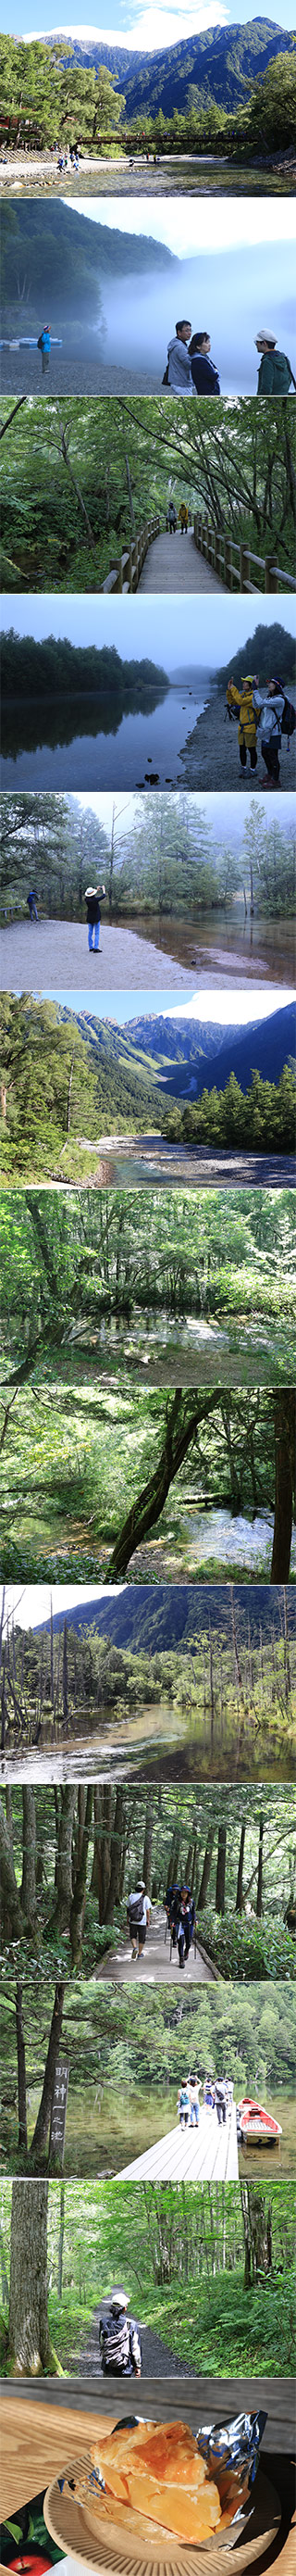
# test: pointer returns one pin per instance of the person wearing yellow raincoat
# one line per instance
(243, 699)
(183, 516)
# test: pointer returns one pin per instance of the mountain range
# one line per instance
(217, 64)
(182, 1056)
(139, 1620)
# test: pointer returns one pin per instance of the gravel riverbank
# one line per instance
(211, 755)
(21, 374)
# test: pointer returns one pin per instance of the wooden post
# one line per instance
(271, 576)
(244, 564)
(228, 562)
(59, 2113)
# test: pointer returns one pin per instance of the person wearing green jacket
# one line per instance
(275, 374)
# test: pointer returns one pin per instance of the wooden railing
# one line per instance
(126, 568)
(232, 562)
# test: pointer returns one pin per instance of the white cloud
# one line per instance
(149, 31)
(233, 1009)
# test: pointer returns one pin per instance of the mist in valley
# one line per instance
(228, 295)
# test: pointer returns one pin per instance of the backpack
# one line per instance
(136, 1910)
(115, 2341)
(288, 717)
(40, 341)
(165, 378)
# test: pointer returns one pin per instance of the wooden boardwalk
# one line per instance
(206, 2154)
(174, 564)
(156, 1968)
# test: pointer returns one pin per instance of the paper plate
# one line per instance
(105, 2547)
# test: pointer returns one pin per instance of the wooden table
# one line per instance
(40, 2431)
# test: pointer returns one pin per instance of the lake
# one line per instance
(108, 2124)
(109, 750)
(223, 946)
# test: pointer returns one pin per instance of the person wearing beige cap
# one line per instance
(275, 374)
(94, 896)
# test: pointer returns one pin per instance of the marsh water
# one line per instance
(109, 750)
(108, 2124)
(223, 946)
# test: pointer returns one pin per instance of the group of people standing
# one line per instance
(264, 714)
(217, 2093)
(191, 370)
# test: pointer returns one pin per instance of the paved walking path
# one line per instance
(206, 2154)
(51, 955)
(155, 1964)
(173, 563)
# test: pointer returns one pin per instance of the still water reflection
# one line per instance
(109, 748)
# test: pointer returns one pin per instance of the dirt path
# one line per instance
(158, 2361)
(173, 563)
(211, 755)
(156, 1963)
(54, 954)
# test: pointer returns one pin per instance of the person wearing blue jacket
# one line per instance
(44, 344)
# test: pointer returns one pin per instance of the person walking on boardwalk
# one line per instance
(184, 2104)
(171, 519)
(194, 2100)
(138, 1917)
(94, 896)
(220, 2101)
(243, 699)
(183, 515)
(185, 1924)
(44, 344)
(120, 2340)
(275, 374)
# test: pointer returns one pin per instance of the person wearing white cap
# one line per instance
(275, 374)
(120, 2340)
(94, 896)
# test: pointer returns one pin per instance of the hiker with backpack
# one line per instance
(220, 2101)
(44, 344)
(270, 707)
(275, 374)
(120, 2341)
(183, 2104)
(138, 1917)
(185, 1925)
(171, 519)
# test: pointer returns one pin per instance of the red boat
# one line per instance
(256, 2126)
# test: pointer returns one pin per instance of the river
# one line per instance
(139, 749)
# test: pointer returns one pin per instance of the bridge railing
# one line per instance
(126, 568)
(233, 563)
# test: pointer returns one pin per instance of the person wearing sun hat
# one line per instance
(275, 374)
(93, 897)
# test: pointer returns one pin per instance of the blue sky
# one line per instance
(145, 27)
(225, 1007)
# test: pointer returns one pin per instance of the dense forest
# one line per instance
(66, 1079)
(126, 2052)
(269, 649)
(168, 857)
(57, 667)
(76, 487)
(69, 1857)
(50, 247)
(89, 1455)
(183, 1284)
(212, 1669)
(211, 2270)
(230, 89)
